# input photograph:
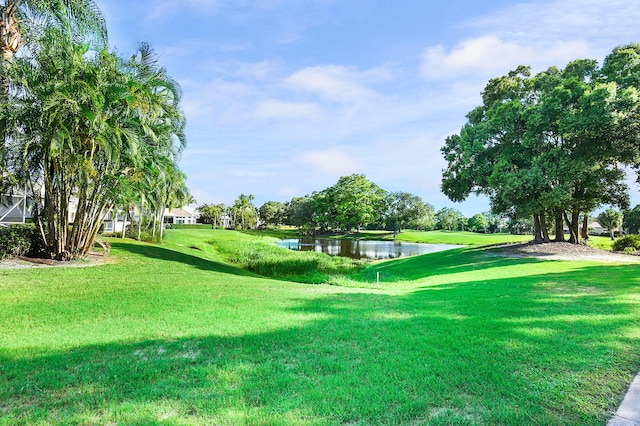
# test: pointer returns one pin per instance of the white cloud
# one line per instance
(166, 8)
(488, 55)
(333, 162)
(562, 19)
(539, 34)
(279, 110)
(336, 83)
(265, 70)
(221, 98)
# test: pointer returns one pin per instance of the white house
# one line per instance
(117, 221)
(180, 216)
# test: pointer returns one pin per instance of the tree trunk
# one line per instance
(140, 219)
(162, 223)
(10, 36)
(573, 226)
(559, 227)
(114, 216)
(585, 227)
(543, 227)
(124, 224)
(537, 232)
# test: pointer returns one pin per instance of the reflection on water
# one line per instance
(363, 249)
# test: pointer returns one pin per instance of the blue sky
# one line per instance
(283, 97)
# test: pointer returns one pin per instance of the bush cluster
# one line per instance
(632, 240)
(18, 240)
(189, 226)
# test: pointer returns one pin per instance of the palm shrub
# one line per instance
(628, 241)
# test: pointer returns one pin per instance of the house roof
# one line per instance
(179, 213)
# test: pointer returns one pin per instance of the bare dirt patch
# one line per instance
(563, 251)
(93, 259)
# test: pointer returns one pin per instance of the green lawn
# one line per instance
(172, 335)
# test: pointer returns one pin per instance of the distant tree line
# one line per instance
(352, 204)
(553, 146)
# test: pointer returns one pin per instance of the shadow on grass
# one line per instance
(165, 254)
(439, 263)
(544, 349)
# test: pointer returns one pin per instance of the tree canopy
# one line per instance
(610, 219)
(551, 145)
(631, 220)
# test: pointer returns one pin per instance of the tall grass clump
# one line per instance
(265, 258)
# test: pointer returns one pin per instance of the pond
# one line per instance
(363, 249)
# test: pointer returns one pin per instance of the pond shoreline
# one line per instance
(369, 250)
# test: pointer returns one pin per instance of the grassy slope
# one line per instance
(170, 334)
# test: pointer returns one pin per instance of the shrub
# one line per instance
(148, 237)
(190, 226)
(18, 240)
(630, 250)
(622, 243)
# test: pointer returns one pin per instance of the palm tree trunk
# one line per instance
(124, 223)
(161, 223)
(10, 36)
(140, 217)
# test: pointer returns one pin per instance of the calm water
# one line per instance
(363, 249)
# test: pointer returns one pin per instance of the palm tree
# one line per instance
(92, 128)
(244, 205)
(82, 19)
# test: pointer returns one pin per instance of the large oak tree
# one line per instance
(550, 145)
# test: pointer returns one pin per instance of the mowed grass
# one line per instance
(172, 335)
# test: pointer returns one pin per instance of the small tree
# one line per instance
(450, 219)
(211, 214)
(272, 213)
(244, 208)
(401, 209)
(357, 201)
(610, 219)
(299, 214)
(478, 223)
(631, 220)
(427, 221)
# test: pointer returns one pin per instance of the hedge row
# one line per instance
(189, 226)
(19, 240)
